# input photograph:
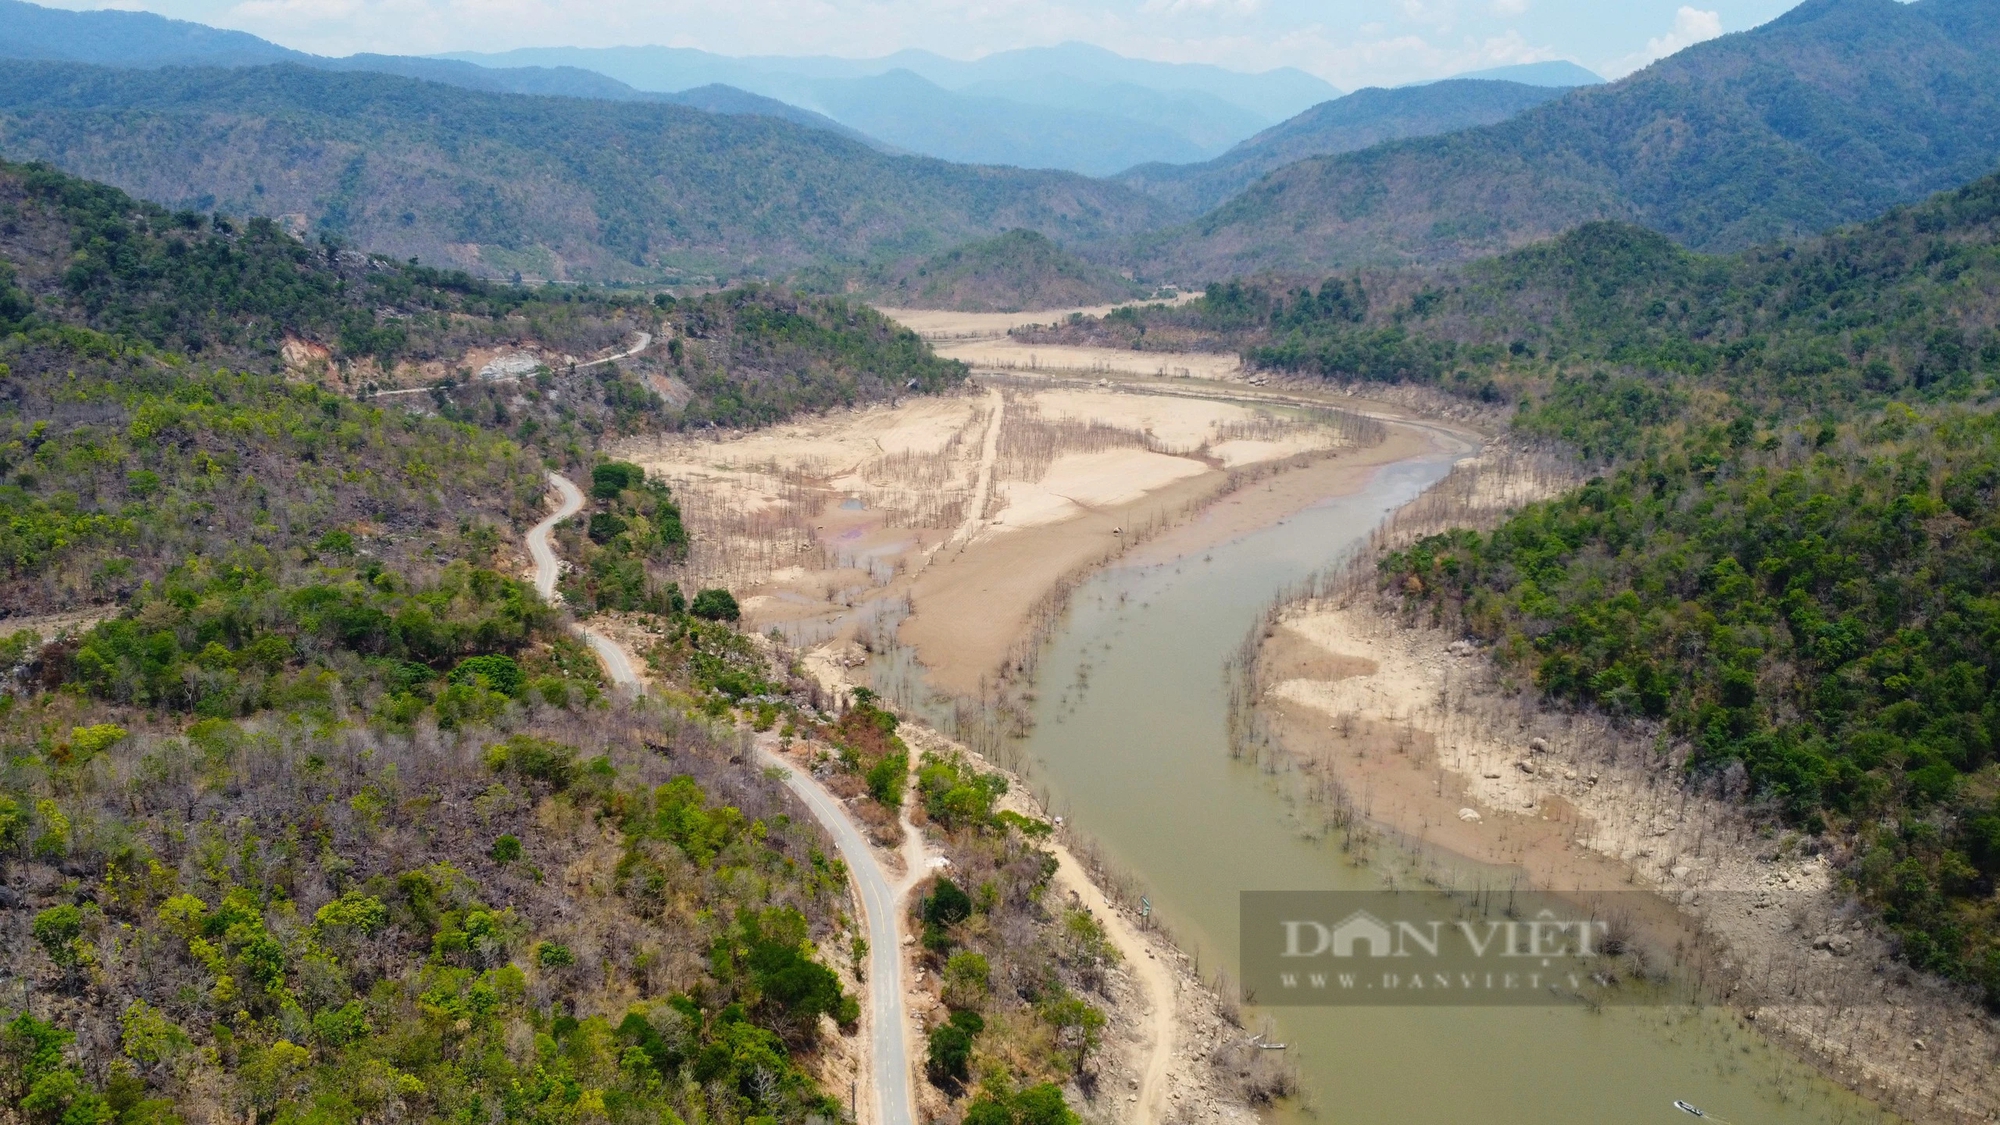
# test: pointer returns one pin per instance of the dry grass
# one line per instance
(1030, 442)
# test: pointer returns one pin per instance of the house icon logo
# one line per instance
(1363, 928)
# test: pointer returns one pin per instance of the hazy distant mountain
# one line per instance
(1363, 118)
(29, 31)
(1828, 114)
(911, 113)
(1273, 94)
(1564, 74)
(141, 39)
(717, 98)
(1074, 106)
(549, 187)
(1207, 121)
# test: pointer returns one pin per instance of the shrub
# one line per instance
(507, 849)
(947, 904)
(1036, 1105)
(1078, 1024)
(949, 1061)
(58, 930)
(537, 759)
(353, 911)
(604, 527)
(887, 779)
(499, 673)
(715, 605)
(610, 479)
(85, 743)
(966, 980)
(956, 795)
(337, 1027)
(13, 824)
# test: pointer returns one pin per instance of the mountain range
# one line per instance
(1072, 106)
(1835, 111)
(1357, 121)
(545, 187)
(1829, 114)
(142, 39)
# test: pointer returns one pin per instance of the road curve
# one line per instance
(547, 569)
(645, 341)
(880, 901)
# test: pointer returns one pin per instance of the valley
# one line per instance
(638, 585)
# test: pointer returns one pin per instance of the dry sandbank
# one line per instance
(1416, 732)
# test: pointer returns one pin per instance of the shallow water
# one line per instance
(1129, 744)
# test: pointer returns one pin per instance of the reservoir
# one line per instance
(1129, 745)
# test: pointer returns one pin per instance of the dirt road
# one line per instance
(1154, 980)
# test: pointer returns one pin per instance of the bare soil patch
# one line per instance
(921, 523)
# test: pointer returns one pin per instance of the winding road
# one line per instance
(547, 569)
(645, 340)
(881, 902)
(881, 899)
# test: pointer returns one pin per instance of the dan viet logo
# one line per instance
(1384, 948)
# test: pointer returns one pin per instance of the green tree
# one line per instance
(715, 605)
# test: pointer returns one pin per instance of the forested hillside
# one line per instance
(1791, 559)
(543, 187)
(1014, 271)
(1827, 115)
(327, 816)
(1356, 121)
(124, 317)
(1902, 306)
(296, 832)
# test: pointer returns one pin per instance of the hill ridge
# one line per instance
(1831, 115)
(545, 186)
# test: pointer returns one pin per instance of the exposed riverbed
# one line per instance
(1129, 740)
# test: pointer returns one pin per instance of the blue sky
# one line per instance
(1350, 43)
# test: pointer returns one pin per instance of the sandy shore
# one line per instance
(945, 324)
(949, 525)
(1004, 354)
(1412, 728)
(974, 610)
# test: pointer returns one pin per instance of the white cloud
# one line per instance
(1347, 42)
(1513, 48)
(1691, 26)
(1440, 14)
(1201, 7)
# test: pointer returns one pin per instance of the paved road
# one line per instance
(880, 900)
(547, 569)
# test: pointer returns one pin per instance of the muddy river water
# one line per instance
(1129, 743)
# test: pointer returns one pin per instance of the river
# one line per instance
(1129, 743)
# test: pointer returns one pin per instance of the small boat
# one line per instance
(1688, 1109)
